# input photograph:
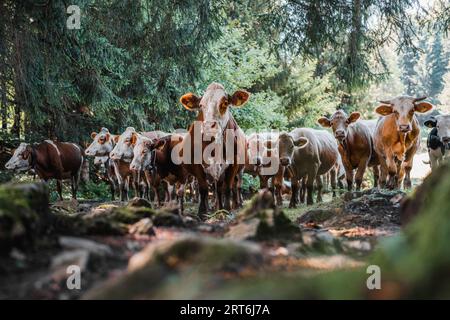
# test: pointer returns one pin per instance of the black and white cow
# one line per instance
(438, 142)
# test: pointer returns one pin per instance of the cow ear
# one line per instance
(423, 106)
(93, 135)
(133, 139)
(116, 138)
(301, 142)
(430, 123)
(239, 98)
(159, 144)
(324, 122)
(190, 101)
(353, 117)
(107, 136)
(384, 110)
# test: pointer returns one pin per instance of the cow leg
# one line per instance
(294, 196)
(333, 175)
(376, 175)
(277, 180)
(310, 187)
(349, 177)
(229, 183)
(319, 185)
(360, 173)
(392, 171)
(180, 197)
(203, 191)
(303, 190)
(112, 188)
(218, 189)
(59, 189)
(74, 185)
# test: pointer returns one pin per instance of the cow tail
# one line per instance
(84, 170)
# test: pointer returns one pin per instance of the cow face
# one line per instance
(259, 146)
(339, 123)
(100, 161)
(102, 144)
(403, 109)
(214, 106)
(142, 154)
(21, 159)
(124, 145)
(442, 125)
(287, 146)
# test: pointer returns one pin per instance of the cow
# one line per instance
(355, 145)
(107, 174)
(102, 144)
(397, 138)
(307, 154)
(51, 160)
(154, 157)
(210, 131)
(122, 155)
(262, 149)
(438, 142)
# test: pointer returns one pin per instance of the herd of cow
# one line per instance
(303, 157)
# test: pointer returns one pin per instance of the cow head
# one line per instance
(442, 125)
(259, 145)
(287, 146)
(21, 159)
(100, 161)
(141, 154)
(339, 123)
(403, 109)
(214, 106)
(123, 149)
(102, 144)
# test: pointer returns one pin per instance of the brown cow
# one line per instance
(262, 149)
(397, 137)
(122, 155)
(51, 160)
(308, 153)
(209, 134)
(155, 158)
(355, 145)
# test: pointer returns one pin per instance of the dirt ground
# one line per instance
(338, 233)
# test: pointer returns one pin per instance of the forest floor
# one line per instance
(176, 252)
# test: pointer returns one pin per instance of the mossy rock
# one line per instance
(171, 262)
(24, 214)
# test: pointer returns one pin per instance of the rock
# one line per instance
(85, 244)
(316, 216)
(262, 219)
(70, 206)
(167, 219)
(142, 227)
(139, 202)
(24, 215)
(162, 266)
(130, 214)
(78, 258)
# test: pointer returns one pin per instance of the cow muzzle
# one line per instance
(404, 128)
(339, 134)
(285, 161)
(446, 141)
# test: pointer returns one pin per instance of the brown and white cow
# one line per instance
(102, 144)
(122, 155)
(397, 138)
(50, 160)
(355, 144)
(308, 154)
(154, 157)
(215, 129)
(262, 150)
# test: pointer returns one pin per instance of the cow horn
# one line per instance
(419, 99)
(386, 101)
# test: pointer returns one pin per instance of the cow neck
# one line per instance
(346, 146)
(38, 167)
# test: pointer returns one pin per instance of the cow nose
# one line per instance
(285, 161)
(258, 161)
(339, 133)
(404, 127)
